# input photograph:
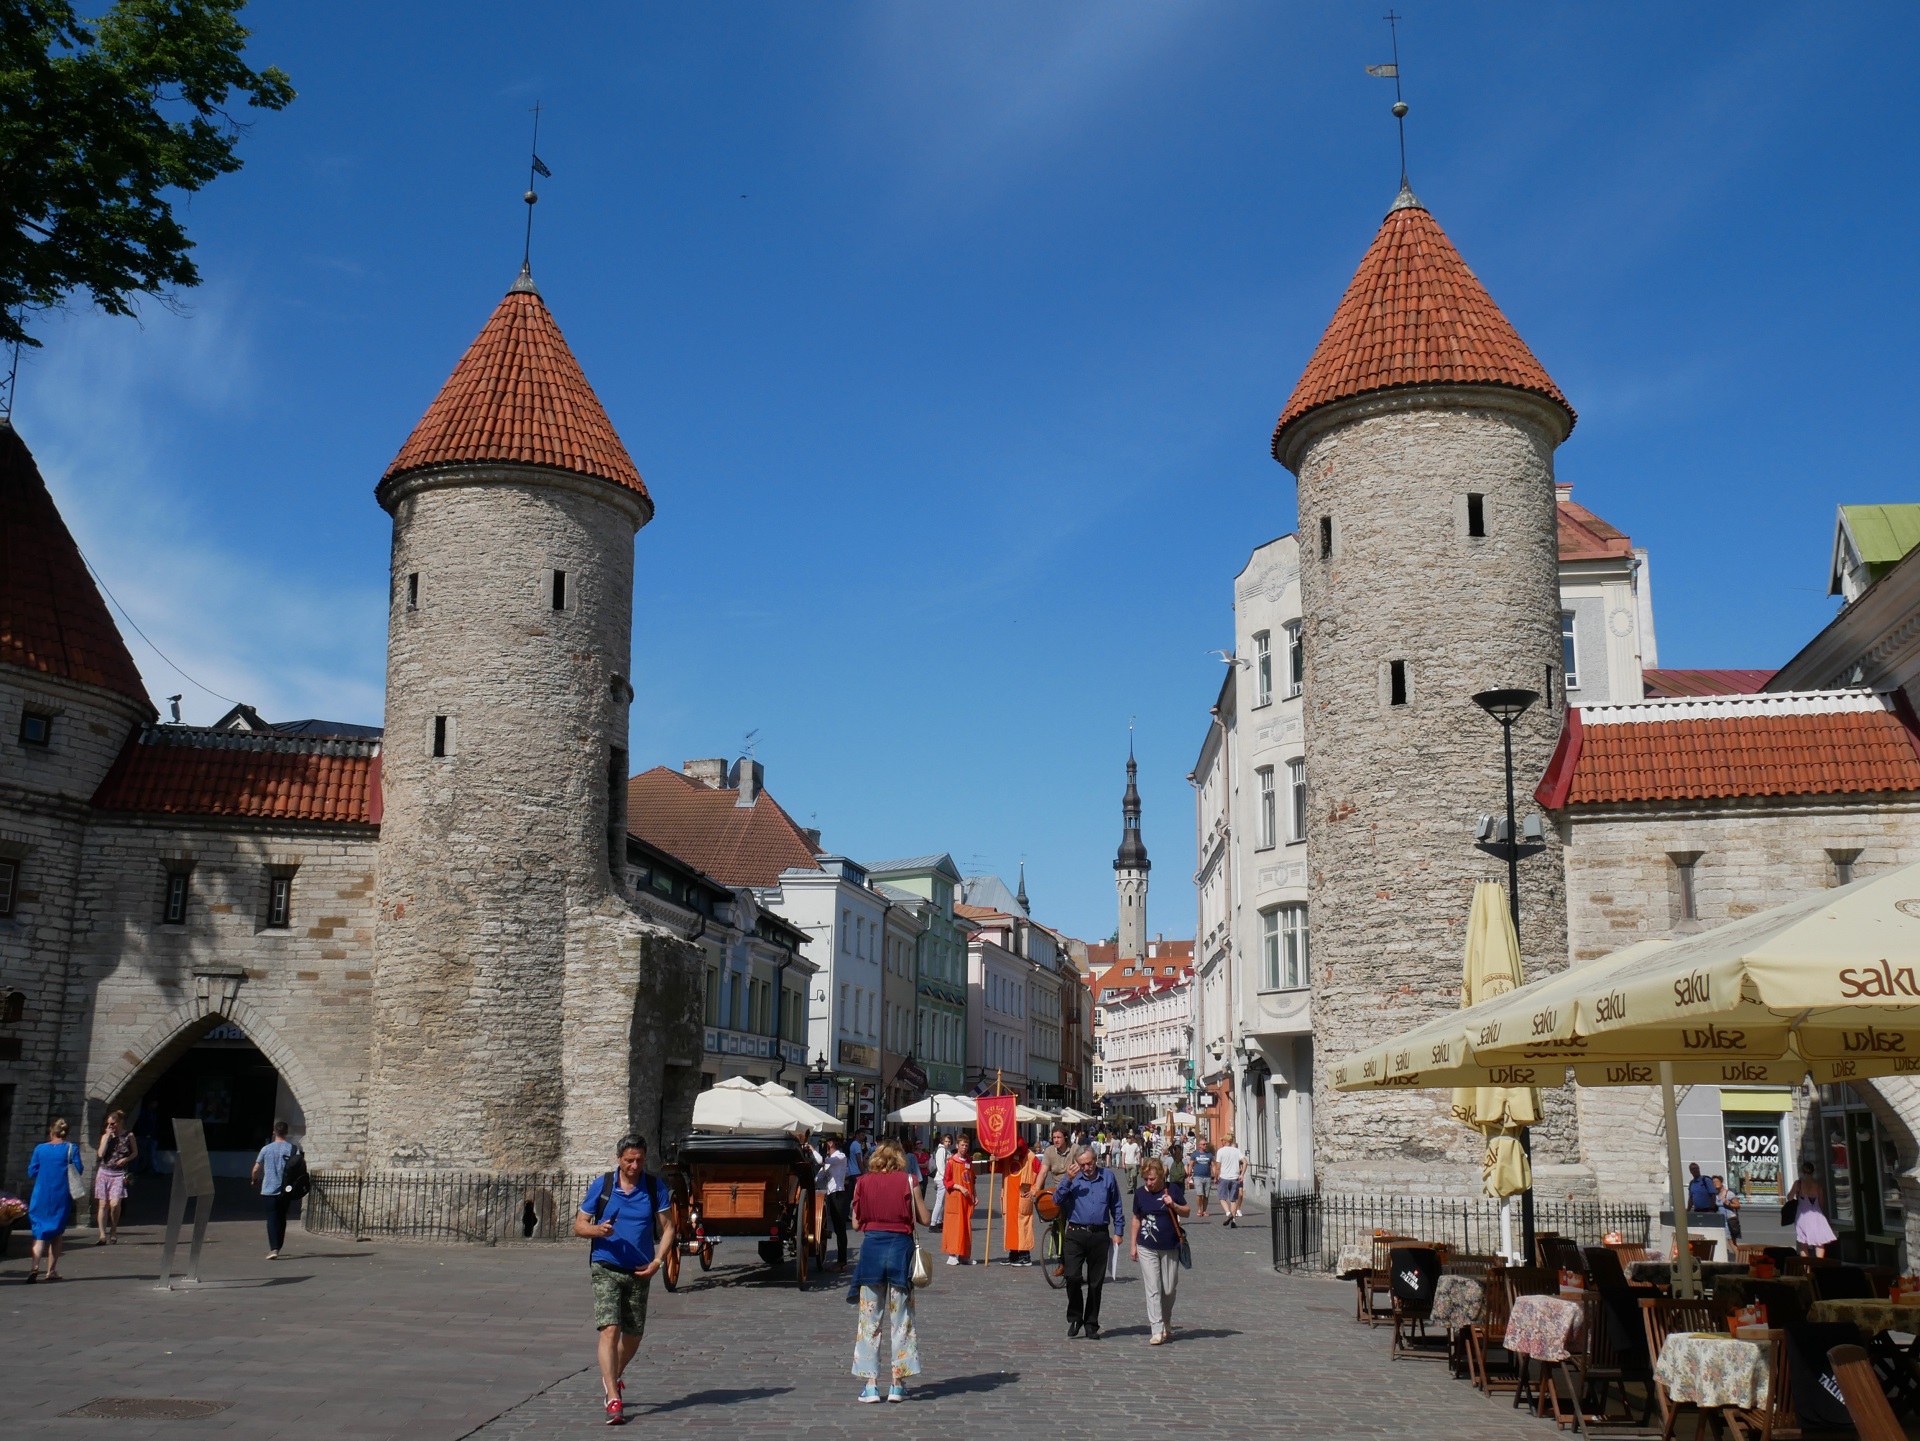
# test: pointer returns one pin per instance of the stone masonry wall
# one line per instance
(43, 818)
(1621, 888)
(488, 853)
(1395, 791)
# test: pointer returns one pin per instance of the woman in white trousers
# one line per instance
(1153, 1240)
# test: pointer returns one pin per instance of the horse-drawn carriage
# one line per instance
(753, 1186)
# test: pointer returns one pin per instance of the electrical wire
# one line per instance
(97, 580)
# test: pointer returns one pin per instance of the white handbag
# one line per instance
(922, 1267)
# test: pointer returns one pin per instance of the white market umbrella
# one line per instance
(1183, 1118)
(738, 1105)
(937, 1110)
(815, 1118)
(1075, 1118)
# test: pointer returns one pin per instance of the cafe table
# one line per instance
(1354, 1260)
(1546, 1329)
(1736, 1290)
(1660, 1273)
(1457, 1301)
(1871, 1316)
(1711, 1369)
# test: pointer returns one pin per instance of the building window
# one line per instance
(440, 729)
(1263, 668)
(1296, 660)
(1396, 682)
(173, 910)
(1569, 653)
(413, 590)
(13, 1009)
(279, 902)
(1686, 902)
(1269, 815)
(1843, 864)
(1326, 537)
(9, 885)
(559, 590)
(1476, 515)
(1296, 800)
(36, 729)
(711, 1011)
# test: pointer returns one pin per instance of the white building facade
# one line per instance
(1146, 1036)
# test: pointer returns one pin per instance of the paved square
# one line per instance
(340, 1339)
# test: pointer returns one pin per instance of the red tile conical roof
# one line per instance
(519, 396)
(1414, 314)
(52, 617)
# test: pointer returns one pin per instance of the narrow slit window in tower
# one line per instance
(1476, 514)
(1396, 682)
(1685, 898)
(439, 737)
(559, 590)
(413, 590)
(279, 902)
(174, 909)
(1326, 537)
(616, 808)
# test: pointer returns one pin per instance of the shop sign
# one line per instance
(1753, 1156)
(820, 1093)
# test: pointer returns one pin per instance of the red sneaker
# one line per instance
(616, 1412)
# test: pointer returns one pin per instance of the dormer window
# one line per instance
(36, 729)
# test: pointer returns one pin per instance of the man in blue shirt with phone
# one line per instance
(628, 1215)
(1089, 1203)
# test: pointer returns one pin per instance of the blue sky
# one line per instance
(950, 338)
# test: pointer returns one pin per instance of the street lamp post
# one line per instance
(1506, 707)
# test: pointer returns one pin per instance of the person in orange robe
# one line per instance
(956, 1227)
(1023, 1170)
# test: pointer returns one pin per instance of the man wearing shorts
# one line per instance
(628, 1215)
(1227, 1163)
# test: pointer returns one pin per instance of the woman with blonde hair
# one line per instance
(117, 1153)
(886, 1205)
(1154, 1241)
(50, 1207)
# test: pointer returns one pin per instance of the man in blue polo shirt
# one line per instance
(1089, 1203)
(628, 1215)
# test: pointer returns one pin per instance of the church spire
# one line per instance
(1130, 868)
(1021, 894)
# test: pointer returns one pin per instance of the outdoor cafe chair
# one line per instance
(1842, 1283)
(1605, 1271)
(1375, 1303)
(1629, 1252)
(1490, 1333)
(1777, 1413)
(1612, 1354)
(1866, 1403)
(1661, 1318)
(1562, 1253)
(1413, 1275)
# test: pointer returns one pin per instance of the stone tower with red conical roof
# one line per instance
(1422, 435)
(524, 1015)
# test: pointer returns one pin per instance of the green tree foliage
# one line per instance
(99, 119)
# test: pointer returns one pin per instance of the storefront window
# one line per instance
(1753, 1155)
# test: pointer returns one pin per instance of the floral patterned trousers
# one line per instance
(897, 1307)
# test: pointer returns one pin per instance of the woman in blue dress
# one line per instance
(50, 1206)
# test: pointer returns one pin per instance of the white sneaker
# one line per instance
(953, 1260)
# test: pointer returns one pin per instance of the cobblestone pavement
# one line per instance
(345, 1340)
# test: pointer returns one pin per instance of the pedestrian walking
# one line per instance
(55, 1169)
(270, 1175)
(1022, 1170)
(1153, 1239)
(117, 1154)
(937, 1179)
(1228, 1164)
(957, 1199)
(831, 1181)
(628, 1215)
(1811, 1229)
(1729, 1205)
(1176, 1168)
(1130, 1161)
(1200, 1175)
(857, 1151)
(1089, 1204)
(885, 1208)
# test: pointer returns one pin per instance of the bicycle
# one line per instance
(1053, 1264)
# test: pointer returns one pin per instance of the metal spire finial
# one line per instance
(1392, 72)
(535, 167)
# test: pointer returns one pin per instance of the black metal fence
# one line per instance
(1311, 1232)
(446, 1205)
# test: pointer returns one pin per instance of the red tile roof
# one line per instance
(184, 770)
(1584, 536)
(1661, 684)
(1414, 314)
(1810, 743)
(707, 828)
(52, 617)
(518, 395)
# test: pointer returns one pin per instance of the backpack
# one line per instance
(654, 1187)
(294, 1180)
(1701, 1195)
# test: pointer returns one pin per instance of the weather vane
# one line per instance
(1392, 72)
(537, 167)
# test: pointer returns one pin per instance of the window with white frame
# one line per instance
(1269, 809)
(1263, 668)
(1297, 799)
(1569, 653)
(1283, 948)
(1296, 660)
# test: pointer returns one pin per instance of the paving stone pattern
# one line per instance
(423, 1342)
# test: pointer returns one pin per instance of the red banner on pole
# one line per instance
(999, 1132)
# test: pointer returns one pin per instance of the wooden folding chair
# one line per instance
(1490, 1333)
(1662, 1318)
(1376, 1287)
(1415, 1273)
(1777, 1414)
(1866, 1402)
(1629, 1252)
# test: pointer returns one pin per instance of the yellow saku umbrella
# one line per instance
(1498, 1113)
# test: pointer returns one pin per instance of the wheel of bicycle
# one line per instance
(1051, 1264)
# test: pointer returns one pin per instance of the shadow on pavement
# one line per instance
(962, 1385)
(719, 1396)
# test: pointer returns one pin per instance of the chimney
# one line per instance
(749, 778)
(710, 773)
(813, 837)
(1563, 490)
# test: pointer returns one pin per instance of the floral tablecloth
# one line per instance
(1353, 1260)
(1546, 1328)
(1713, 1370)
(1735, 1290)
(1873, 1317)
(1457, 1301)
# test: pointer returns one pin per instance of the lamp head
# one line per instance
(1506, 706)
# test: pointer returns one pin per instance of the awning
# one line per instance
(1735, 1100)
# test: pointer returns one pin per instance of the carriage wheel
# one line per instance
(706, 1255)
(1052, 1265)
(670, 1267)
(800, 1262)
